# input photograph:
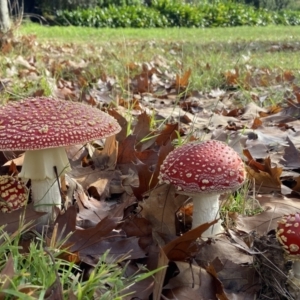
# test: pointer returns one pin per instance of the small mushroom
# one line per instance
(204, 171)
(43, 127)
(13, 194)
(288, 235)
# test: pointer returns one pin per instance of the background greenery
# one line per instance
(170, 13)
(161, 13)
(73, 4)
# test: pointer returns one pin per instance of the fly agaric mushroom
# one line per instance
(204, 171)
(42, 127)
(288, 235)
(13, 194)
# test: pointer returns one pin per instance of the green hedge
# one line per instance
(172, 13)
(124, 16)
(268, 4)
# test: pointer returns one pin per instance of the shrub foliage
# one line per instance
(268, 4)
(175, 13)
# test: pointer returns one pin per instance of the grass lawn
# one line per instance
(197, 35)
(207, 52)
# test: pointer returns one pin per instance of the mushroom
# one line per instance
(42, 127)
(204, 171)
(13, 194)
(288, 235)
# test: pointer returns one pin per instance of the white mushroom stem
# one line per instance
(46, 194)
(39, 166)
(206, 209)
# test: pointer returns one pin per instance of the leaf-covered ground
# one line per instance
(113, 197)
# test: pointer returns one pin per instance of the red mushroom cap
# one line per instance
(206, 167)
(40, 123)
(13, 194)
(288, 234)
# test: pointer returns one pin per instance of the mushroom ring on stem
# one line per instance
(43, 127)
(204, 170)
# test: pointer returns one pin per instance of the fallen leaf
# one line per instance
(288, 114)
(182, 82)
(87, 238)
(106, 158)
(296, 187)
(238, 278)
(6, 276)
(256, 123)
(146, 180)
(117, 246)
(123, 123)
(186, 246)
(89, 208)
(97, 182)
(265, 177)
(137, 226)
(291, 156)
(224, 249)
(192, 282)
(217, 283)
(274, 208)
(160, 207)
(274, 109)
(232, 77)
(141, 83)
(142, 127)
(168, 133)
(160, 276)
(12, 221)
(126, 153)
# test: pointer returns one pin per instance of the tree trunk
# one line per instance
(5, 23)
